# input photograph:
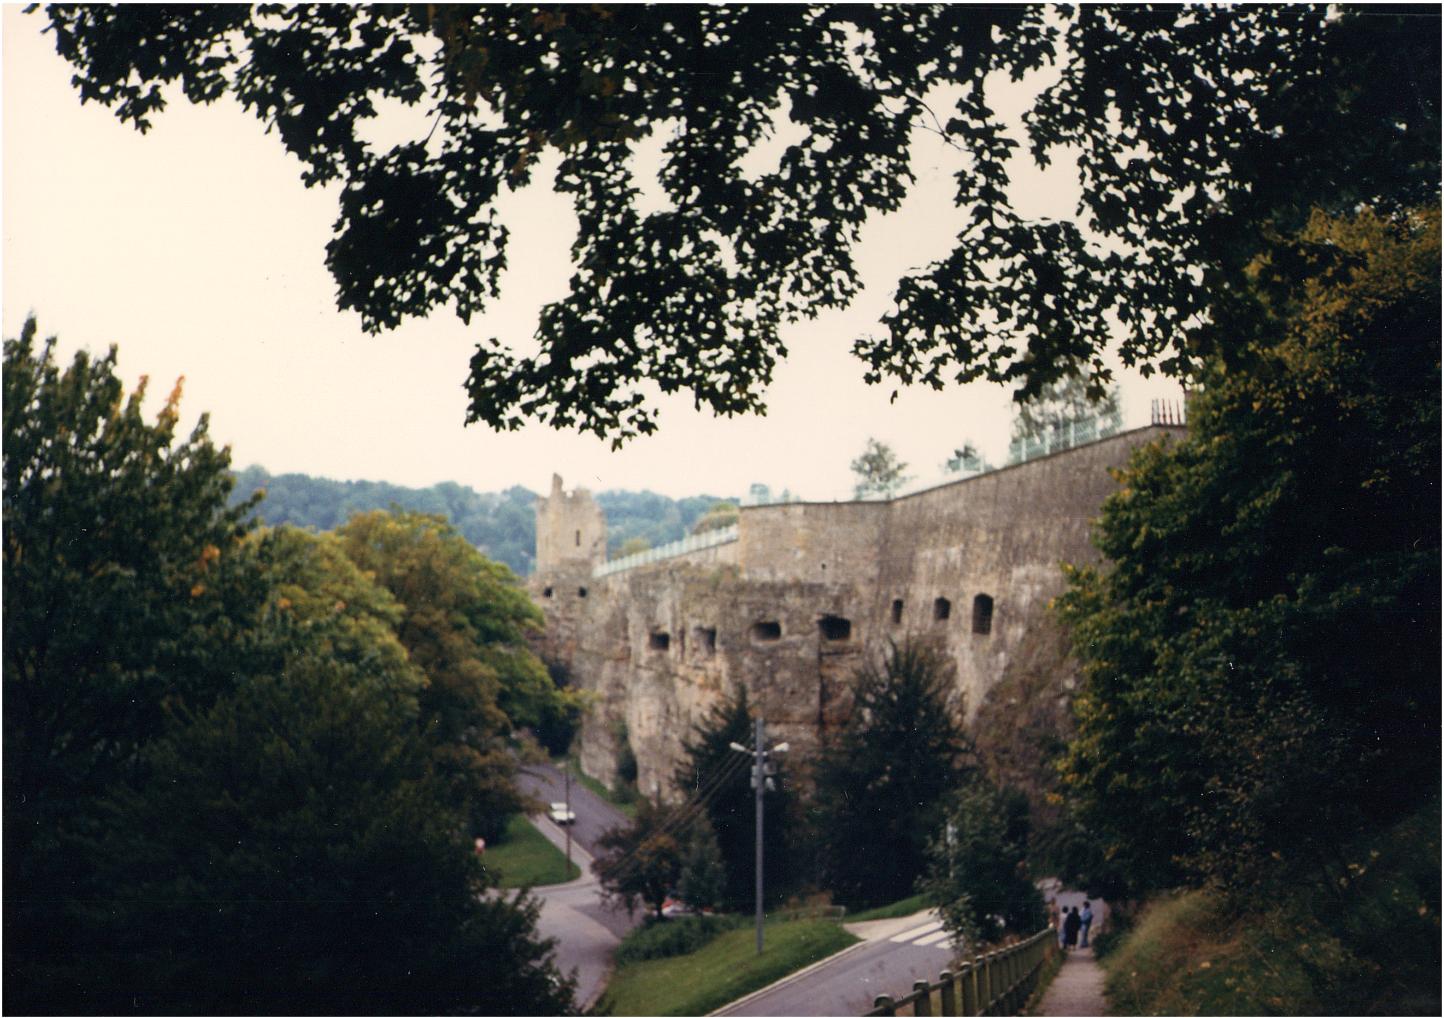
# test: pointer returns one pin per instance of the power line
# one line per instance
(678, 817)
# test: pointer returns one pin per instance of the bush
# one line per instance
(1107, 942)
(667, 938)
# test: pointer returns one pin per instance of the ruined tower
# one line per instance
(571, 531)
(571, 540)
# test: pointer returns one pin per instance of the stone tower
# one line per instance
(571, 531)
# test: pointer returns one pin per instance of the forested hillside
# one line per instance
(502, 524)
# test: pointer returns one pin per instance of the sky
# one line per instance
(197, 251)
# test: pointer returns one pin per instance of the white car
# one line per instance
(560, 814)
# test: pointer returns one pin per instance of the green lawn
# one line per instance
(526, 858)
(898, 908)
(727, 968)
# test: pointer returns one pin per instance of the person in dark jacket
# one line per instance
(1070, 928)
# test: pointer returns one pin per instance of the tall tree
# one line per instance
(879, 472)
(113, 530)
(882, 778)
(1261, 651)
(303, 812)
(719, 777)
(464, 622)
(1198, 132)
(216, 796)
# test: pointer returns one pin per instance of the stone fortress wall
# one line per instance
(804, 595)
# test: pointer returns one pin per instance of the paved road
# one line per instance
(894, 954)
(595, 816)
(586, 931)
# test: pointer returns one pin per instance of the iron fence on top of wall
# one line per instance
(687, 545)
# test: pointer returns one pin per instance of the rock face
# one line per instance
(803, 594)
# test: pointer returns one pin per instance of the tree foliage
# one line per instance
(98, 500)
(633, 546)
(332, 875)
(217, 795)
(720, 516)
(653, 518)
(464, 622)
(977, 865)
(502, 524)
(1262, 650)
(1058, 404)
(703, 882)
(1198, 132)
(882, 778)
(880, 474)
(967, 460)
(642, 862)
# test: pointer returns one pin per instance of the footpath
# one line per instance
(1078, 987)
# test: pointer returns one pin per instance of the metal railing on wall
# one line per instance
(688, 544)
(1065, 435)
(996, 983)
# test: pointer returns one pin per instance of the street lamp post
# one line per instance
(762, 772)
(759, 781)
(567, 779)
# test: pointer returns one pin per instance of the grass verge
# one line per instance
(1367, 945)
(527, 859)
(726, 968)
(898, 908)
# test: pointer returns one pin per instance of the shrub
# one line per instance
(667, 938)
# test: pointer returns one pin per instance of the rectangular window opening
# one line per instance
(767, 632)
(982, 614)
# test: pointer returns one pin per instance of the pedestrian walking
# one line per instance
(1070, 928)
(1086, 920)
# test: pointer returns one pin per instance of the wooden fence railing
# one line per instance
(997, 983)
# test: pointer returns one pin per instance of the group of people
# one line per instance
(1075, 924)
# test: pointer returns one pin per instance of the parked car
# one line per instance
(560, 814)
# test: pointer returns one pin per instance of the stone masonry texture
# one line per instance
(805, 595)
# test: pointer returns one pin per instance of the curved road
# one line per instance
(585, 929)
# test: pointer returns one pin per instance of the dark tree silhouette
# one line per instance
(882, 778)
(1199, 132)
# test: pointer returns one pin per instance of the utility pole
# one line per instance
(762, 772)
(759, 781)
